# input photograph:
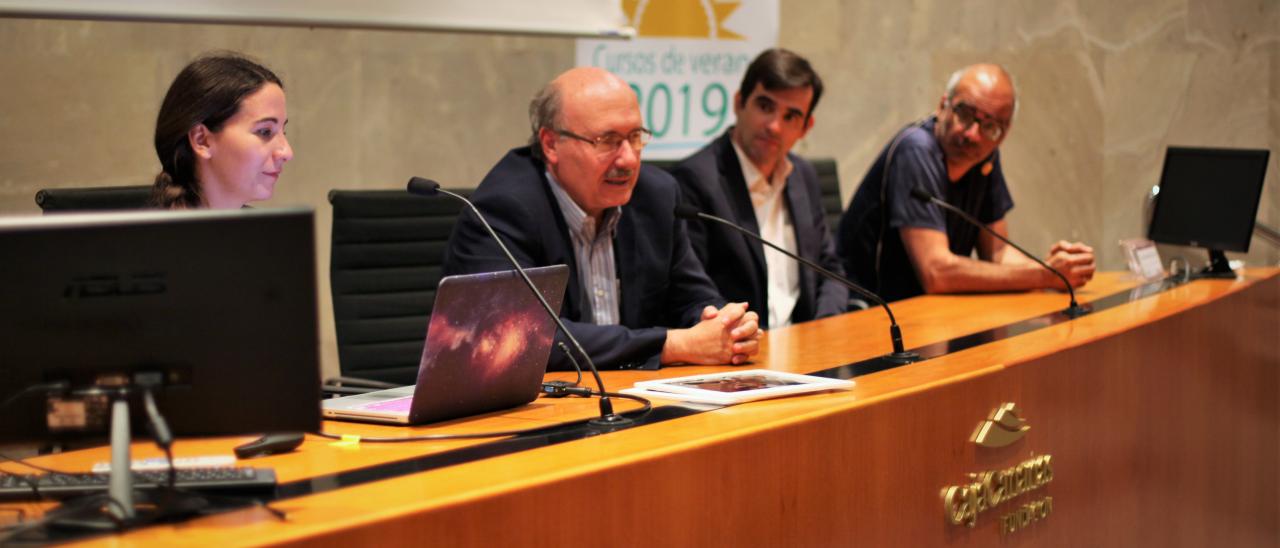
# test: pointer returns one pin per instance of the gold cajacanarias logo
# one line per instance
(1003, 427)
(986, 490)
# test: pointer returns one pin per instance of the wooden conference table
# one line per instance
(1153, 422)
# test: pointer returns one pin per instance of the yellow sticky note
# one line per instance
(348, 440)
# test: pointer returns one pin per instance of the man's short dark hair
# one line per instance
(779, 69)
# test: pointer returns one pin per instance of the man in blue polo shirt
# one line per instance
(901, 247)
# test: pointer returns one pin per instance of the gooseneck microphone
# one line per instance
(1074, 310)
(607, 418)
(899, 356)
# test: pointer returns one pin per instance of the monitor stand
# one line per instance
(1218, 267)
(123, 507)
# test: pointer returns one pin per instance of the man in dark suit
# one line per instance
(749, 176)
(637, 295)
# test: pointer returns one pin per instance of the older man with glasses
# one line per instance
(901, 247)
(637, 297)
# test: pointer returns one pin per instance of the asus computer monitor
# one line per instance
(220, 304)
(1209, 198)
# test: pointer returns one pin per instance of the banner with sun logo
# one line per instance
(685, 64)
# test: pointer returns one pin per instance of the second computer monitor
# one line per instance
(220, 305)
(1209, 198)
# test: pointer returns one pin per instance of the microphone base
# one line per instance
(1209, 274)
(1219, 267)
(1075, 311)
(901, 358)
(611, 422)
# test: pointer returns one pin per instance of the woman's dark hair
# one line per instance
(208, 91)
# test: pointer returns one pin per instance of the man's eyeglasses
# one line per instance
(967, 115)
(609, 143)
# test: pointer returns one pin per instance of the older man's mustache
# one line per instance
(618, 173)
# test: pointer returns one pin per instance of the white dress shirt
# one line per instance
(770, 204)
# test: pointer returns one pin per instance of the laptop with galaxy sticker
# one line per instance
(487, 346)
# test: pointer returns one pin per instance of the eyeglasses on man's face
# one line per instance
(966, 115)
(611, 142)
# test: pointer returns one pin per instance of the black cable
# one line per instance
(648, 405)
(48, 387)
(418, 185)
(34, 482)
(884, 197)
(215, 498)
(572, 360)
(23, 462)
(173, 467)
(30, 481)
(560, 389)
(69, 509)
(160, 430)
(163, 438)
(35, 488)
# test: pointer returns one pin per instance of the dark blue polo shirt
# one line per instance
(917, 162)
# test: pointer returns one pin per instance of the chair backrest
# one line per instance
(387, 253)
(64, 200)
(828, 182)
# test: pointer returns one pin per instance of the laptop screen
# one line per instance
(488, 342)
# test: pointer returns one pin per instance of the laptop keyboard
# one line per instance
(398, 405)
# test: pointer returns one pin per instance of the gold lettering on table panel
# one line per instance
(1025, 515)
(986, 490)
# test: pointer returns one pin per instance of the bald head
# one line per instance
(974, 116)
(584, 122)
(988, 80)
(588, 82)
(569, 94)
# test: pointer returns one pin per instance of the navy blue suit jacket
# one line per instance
(662, 283)
(712, 181)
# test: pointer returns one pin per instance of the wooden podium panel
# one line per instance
(1152, 423)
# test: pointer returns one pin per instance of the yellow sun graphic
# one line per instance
(682, 18)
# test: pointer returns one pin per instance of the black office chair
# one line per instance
(105, 198)
(829, 183)
(387, 255)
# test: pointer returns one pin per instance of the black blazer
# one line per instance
(712, 181)
(662, 283)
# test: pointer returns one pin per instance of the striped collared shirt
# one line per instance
(593, 250)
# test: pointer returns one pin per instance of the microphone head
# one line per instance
(686, 211)
(921, 194)
(422, 187)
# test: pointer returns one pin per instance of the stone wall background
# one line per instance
(1105, 87)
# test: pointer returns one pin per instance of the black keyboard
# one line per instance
(222, 480)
